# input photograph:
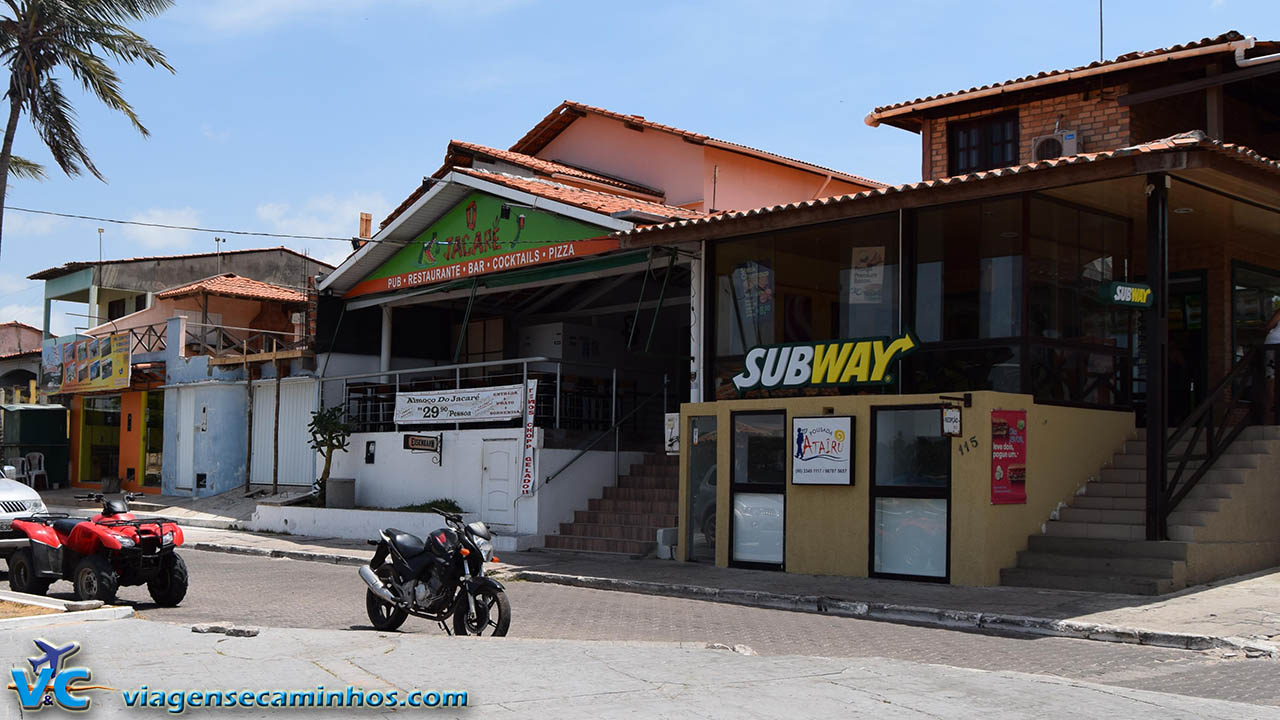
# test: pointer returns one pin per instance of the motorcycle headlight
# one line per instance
(486, 550)
(167, 538)
(125, 540)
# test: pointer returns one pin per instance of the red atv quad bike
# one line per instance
(100, 554)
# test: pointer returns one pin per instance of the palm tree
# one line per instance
(38, 36)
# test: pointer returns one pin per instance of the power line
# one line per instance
(176, 227)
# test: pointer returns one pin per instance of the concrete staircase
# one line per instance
(1098, 542)
(626, 520)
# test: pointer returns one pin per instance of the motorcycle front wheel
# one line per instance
(382, 614)
(492, 616)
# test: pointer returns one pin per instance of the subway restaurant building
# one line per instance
(915, 382)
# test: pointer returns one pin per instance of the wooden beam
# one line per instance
(260, 357)
(1183, 88)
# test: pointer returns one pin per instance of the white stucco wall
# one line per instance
(334, 523)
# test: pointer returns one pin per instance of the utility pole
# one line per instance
(217, 244)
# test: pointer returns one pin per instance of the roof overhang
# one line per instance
(434, 203)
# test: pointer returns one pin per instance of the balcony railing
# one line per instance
(225, 340)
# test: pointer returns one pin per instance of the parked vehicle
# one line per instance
(439, 578)
(100, 554)
(16, 500)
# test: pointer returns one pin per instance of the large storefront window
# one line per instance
(828, 282)
(758, 489)
(701, 536)
(911, 489)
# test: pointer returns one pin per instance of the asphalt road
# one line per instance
(290, 593)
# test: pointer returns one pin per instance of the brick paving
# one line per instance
(290, 593)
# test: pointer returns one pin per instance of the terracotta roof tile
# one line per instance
(236, 286)
(538, 165)
(1182, 141)
(568, 111)
(959, 95)
(594, 200)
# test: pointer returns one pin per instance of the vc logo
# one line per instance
(52, 683)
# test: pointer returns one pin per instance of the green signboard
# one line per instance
(1127, 294)
(479, 236)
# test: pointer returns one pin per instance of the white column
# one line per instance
(92, 320)
(384, 358)
(695, 325)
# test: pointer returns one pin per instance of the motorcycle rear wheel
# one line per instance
(489, 602)
(382, 614)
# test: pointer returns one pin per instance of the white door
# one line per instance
(297, 463)
(186, 439)
(500, 481)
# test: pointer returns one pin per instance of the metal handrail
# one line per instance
(605, 433)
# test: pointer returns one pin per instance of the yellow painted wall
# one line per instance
(827, 527)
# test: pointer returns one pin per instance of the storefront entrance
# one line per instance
(701, 529)
(758, 490)
(910, 494)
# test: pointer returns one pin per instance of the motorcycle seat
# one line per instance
(406, 544)
(64, 526)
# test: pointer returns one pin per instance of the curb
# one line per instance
(113, 612)
(192, 522)
(332, 558)
(913, 614)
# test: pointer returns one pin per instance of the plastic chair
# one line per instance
(20, 464)
(35, 468)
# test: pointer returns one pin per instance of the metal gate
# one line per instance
(297, 463)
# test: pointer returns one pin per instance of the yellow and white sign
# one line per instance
(96, 364)
(850, 362)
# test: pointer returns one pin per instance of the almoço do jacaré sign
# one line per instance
(843, 362)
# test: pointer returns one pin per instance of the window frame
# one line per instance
(985, 145)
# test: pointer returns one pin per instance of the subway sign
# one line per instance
(847, 362)
(1127, 294)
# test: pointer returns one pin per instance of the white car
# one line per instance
(16, 501)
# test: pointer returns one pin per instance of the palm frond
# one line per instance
(56, 124)
(24, 168)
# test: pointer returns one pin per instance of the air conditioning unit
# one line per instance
(1047, 147)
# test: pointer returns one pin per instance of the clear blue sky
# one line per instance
(295, 115)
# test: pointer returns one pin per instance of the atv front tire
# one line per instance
(95, 579)
(169, 585)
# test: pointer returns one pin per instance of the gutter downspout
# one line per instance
(1237, 46)
(1242, 61)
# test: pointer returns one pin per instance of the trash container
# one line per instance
(340, 493)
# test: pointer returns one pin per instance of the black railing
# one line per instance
(1239, 400)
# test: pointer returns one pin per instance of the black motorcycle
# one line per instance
(436, 579)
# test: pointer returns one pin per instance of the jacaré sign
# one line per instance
(848, 362)
(502, 402)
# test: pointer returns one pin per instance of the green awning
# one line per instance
(555, 271)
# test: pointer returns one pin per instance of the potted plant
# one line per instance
(329, 434)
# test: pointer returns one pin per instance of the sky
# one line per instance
(293, 116)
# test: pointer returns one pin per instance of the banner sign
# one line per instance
(501, 402)
(527, 477)
(51, 366)
(484, 234)
(1008, 457)
(1127, 294)
(823, 452)
(95, 364)
(866, 279)
(851, 362)
(671, 433)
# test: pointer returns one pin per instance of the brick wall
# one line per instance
(1101, 123)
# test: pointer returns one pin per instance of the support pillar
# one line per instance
(384, 355)
(1155, 343)
(695, 325)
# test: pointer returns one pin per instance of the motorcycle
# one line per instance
(100, 554)
(439, 578)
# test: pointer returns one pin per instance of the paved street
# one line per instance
(291, 593)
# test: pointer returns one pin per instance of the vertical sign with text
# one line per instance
(1008, 457)
(531, 411)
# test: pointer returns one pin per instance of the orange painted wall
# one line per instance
(132, 423)
(77, 405)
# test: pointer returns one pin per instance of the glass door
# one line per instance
(758, 490)
(910, 494)
(701, 533)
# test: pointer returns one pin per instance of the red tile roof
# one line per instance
(1189, 140)
(71, 267)
(554, 123)
(235, 286)
(1062, 75)
(546, 168)
(594, 200)
(21, 353)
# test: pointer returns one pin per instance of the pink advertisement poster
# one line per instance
(1008, 457)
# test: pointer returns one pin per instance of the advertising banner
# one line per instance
(501, 402)
(1008, 457)
(866, 281)
(51, 366)
(480, 235)
(527, 478)
(95, 364)
(823, 452)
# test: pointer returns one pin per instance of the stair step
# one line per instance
(652, 495)
(1112, 531)
(649, 483)
(1065, 580)
(1098, 515)
(612, 505)
(1104, 502)
(610, 518)
(599, 544)
(1095, 565)
(1099, 547)
(1253, 432)
(1109, 489)
(615, 532)
(1228, 460)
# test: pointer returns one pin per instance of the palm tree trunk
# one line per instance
(6, 154)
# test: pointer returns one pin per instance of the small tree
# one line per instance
(329, 434)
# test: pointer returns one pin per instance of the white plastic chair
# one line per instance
(20, 464)
(35, 468)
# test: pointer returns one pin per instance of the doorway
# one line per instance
(700, 536)
(910, 494)
(1188, 343)
(499, 479)
(758, 490)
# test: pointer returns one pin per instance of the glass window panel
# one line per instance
(911, 536)
(910, 449)
(702, 488)
(758, 527)
(759, 448)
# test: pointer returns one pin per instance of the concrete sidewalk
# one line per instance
(228, 510)
(1240, 614)
(515, 678)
